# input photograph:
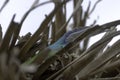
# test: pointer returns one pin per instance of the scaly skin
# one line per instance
(57, 46)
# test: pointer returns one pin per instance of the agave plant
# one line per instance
(39, 56)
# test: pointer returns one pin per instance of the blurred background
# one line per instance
(58, 55)
(105, 11)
